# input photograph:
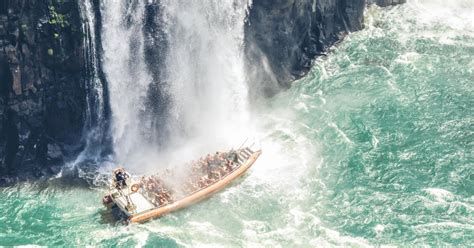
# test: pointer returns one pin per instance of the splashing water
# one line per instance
(203, 77)
(126, 72)
(206, 73)
(373, 147)
(95, 100)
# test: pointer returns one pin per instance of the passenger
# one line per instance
(194, 186)
(150, 186)
(215, 174)
(167, 196)
(210, 181)
(202, 183)
(189, 187)
(202, 165)
(209, 159)
(228, 166)
(233, 157)
(194, 166)
(223, 162)
(221, 157)
(206, 167)
(163, 201)
(159, 199)
(222, 171)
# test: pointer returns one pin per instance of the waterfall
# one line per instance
(197, 47)
(125, 69)
(95, 116)
(205, 68)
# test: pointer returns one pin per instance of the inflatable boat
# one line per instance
(149, 197)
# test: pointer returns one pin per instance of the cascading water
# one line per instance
(95, 99)
(203, 77)
(206, 72)
(126, 73)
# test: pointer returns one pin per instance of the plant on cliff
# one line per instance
(57, 18)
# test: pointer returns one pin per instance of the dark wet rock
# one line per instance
(385, 3)
(283, 37)
(54, 151)
(41, 84)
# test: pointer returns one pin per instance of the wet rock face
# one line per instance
(284, 36)
(385, 3)
(41, 93)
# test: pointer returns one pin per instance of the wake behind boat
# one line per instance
(149, 197)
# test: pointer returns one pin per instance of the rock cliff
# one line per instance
(41, 84)
(284, 36)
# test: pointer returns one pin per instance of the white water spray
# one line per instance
(95, 103)
(127, 76)
(206, 70)
(205, 77)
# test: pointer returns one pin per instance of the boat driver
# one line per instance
(120, 178)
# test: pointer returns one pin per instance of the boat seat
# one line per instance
(246, 154)
(241, 158)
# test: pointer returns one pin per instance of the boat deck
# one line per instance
(141, 203)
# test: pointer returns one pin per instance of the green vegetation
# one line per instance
(57, 18)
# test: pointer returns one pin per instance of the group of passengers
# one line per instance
(207, 170)
(157, 191)
(210, 169)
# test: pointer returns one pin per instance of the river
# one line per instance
(373, 147)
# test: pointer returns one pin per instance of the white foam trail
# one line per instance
(340, 132)
(440, 195)
(443, 225)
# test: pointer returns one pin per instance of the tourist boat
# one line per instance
(142, 199)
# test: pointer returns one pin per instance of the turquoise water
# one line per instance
(373, 147)
(392, 111)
